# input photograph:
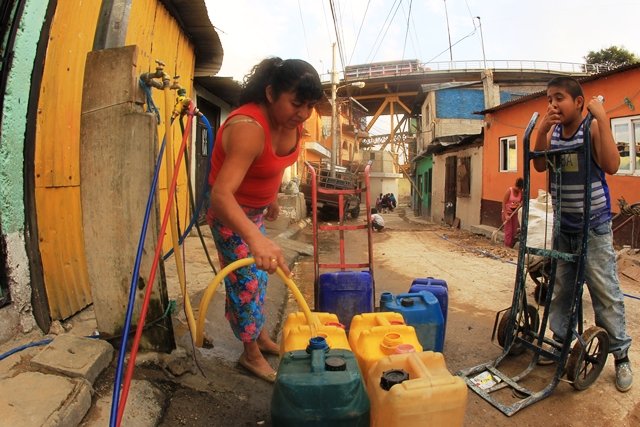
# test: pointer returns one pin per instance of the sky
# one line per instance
(386, 30)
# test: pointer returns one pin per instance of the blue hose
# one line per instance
(132, 292)
(32, 344)
(204, 190)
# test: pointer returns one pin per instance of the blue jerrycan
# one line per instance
(345, 294)
(438, 288)
(422, 311)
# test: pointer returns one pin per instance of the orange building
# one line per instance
(503, 144)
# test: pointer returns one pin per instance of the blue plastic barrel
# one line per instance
(345, 294)
(319, 387)
(438, 288)
(422, 311)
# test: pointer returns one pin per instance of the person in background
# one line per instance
(392, 201)
(510, 202)
(563, 126)
(386, 203)
(253, 147)
(377, 222)
(379, 203)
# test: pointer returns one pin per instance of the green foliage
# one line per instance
(612, 57)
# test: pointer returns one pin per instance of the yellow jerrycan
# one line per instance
(296, 332)
(415, 389)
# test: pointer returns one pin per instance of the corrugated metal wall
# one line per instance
(57, 158)
(57, 164)
(159, 37)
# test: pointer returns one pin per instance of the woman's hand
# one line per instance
(272, 211)
(268, 255)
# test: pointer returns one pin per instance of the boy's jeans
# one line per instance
(601, 276)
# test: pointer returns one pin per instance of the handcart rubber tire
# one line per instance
(585, 364)
(355, 212)
(504, 322)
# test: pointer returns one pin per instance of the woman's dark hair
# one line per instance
(520, 183)
(283, 76)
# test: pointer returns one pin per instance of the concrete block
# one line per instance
(75, 357)
(145, 407)
(485, 230)
(36, 399)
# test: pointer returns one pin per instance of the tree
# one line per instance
(612, 57)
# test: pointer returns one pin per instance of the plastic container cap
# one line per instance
(392, 377)
(406, 302)
(335, 363)
(386, 297)
(336, 324)
(405, 348)
(317, 343)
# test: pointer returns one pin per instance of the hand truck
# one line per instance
(520, 328)
(341, 227)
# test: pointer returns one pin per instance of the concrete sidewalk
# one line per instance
(51, 383)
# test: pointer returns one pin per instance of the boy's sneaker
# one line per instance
(624, 376)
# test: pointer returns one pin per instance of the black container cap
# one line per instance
(392, 377)
(335, 363)
(406, 302)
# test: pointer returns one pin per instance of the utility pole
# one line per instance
(448, 31)
(335, 140)
(482, 42)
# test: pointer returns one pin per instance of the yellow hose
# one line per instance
(312, 319)
(169, 159)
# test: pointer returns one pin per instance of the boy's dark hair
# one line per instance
(520, 183)
(569, 84)
(283, 76)
(374, 210)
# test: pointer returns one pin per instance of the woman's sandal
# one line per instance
(267, 376)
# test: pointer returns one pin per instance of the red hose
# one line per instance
(154, 266)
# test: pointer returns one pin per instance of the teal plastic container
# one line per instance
(319, 387)
(422, 311)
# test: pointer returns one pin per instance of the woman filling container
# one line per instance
(253, 147)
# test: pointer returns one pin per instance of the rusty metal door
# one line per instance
(450, 190)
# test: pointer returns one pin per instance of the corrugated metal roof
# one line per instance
(544, 92)
(193, 18)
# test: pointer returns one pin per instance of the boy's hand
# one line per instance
(597, 109)
(551, 117)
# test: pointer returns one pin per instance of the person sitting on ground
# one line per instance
(386, 203)
(392, 201)
(377, 222)
(563, 126)
(254, 146)
(510, 202)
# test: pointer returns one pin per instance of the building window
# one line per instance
(626, 132)
(464, 177)
(508, 154)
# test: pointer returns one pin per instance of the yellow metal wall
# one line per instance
(57, 166)
(57, 163)
(159, 37)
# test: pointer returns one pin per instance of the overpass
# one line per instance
(391, 89)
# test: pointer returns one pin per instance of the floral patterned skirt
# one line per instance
(245, 287)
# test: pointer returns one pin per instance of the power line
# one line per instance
(407, 32)
(359, 31)
(380, 32)
(388, 26)
(304, 32)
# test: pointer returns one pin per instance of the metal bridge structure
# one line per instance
(392, 88)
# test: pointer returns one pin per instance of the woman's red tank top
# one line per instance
(261, 184)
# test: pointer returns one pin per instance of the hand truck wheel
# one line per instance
(587, 361)
(533, 324)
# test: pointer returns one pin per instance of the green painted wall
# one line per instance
(422, 167)
(14, 117)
